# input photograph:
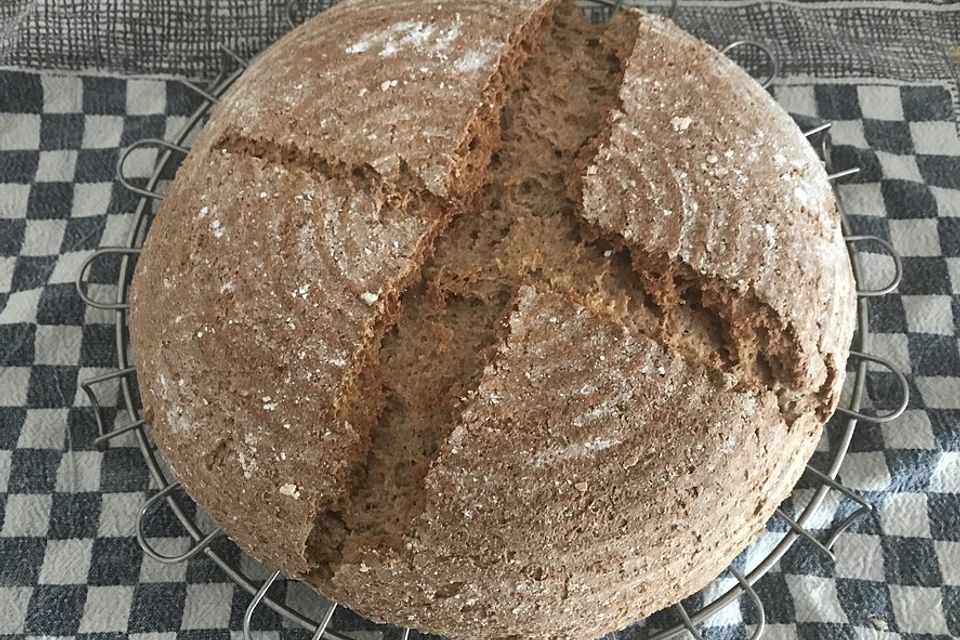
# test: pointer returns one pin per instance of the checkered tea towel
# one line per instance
(71, 567)
(902, 40)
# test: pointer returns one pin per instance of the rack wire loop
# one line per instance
(901, 382)
(820, 128)
(293, 11)
(845, 173)
(687, 622)
(102, 441)
(822, 149)
(146, 142)
(831, 482)
(257, 598)
(87, 387)
(845, 524)
(757, 603)
(897, 266)
(799, 529)
(103, 377)
(825, 150)
(85, 265)
(230, 54)
(318, 631)
(325, 622)
(203, 93)
(772, 61)
(196, 548)
(864, 508)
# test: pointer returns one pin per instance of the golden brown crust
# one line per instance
(603, 466)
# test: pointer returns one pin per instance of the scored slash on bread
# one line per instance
(488, 322)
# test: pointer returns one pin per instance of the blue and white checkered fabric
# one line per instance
(71, 567)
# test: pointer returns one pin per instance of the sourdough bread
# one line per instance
(489, 322)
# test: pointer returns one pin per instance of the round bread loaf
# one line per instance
(491, 323)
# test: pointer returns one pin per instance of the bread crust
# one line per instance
(712, 195)
(261, 286)
(596, 472)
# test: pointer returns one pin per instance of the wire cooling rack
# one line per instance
(171, 153)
